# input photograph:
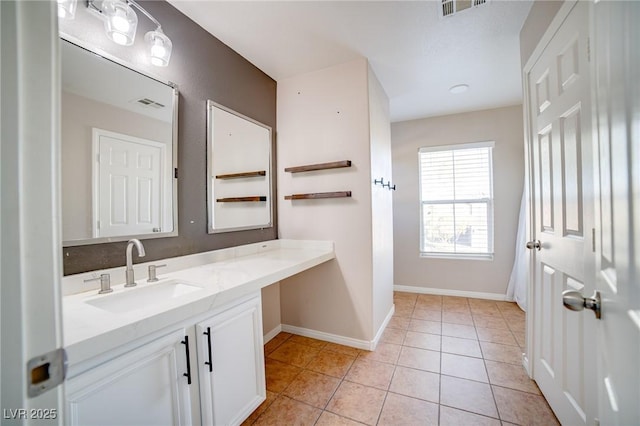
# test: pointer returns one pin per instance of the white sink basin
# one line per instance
(143, 295)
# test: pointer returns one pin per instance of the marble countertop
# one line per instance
(221, 275)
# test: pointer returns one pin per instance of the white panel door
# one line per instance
(144, 387)
(561, 152)
(128, 191)
(233, 339)
(617, 79)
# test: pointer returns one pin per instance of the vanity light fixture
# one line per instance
(67, 9)
(121, 21)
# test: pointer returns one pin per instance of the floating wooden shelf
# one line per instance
(315, 195)
(242, 175)
(323, 166)
(242, 199)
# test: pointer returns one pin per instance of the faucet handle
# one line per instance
(105, 283)
(152, 272)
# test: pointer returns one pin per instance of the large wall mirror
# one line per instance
(119, 151)
(238, 171)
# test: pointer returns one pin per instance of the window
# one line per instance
(456, 200)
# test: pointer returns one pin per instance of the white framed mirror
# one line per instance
(238, 171)
(119, 151)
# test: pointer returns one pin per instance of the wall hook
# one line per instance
(388, 185)
(381, 181)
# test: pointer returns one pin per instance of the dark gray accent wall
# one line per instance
(203, 68)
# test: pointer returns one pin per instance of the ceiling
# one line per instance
(416, 54)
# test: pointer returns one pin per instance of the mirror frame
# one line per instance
(210, 229)
(174, 148)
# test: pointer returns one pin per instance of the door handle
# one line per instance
(535, 244)
(210, 362)
(185, 342)
(574, 301)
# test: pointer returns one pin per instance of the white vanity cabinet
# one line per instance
(148, 385)
(231, 364)
(145, 386)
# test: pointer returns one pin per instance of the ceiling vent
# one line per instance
(146, 102)
(451, 7)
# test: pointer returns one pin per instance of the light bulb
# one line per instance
(119, 22)
(67, 9)
(159, 47)
(119, 38)
(158, 50)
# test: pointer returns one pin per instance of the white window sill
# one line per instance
(458, 256)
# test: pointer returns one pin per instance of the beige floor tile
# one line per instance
(385, 352)
(521, 338)
(459, 330)
(399, 322)
(496, 336)
(273, 344)
(511, 308)
(486, 310)
(286, 411)
(279, 375)
(510, 376)
(428, 314)
(501, 353)
(464, 318)
(271, 396)
(453, 417)
(371, 373)
(330, 419)
(464, 367)
(422, 326)
(416, 384)
(402, 410)
(393, 335)
(517, 325)
(455, 301)
(455, 345)
(488, 321)
(423, 340)
(357, 402)
(331, 363)
(308, 341)
(348, 350)
(420, 359)
(468, 395)
(405, 295)
(523, 408)
(432, 299)
(294, 353)
(403, 311)
(312, 388)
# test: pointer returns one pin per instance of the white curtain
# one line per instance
(517, 289)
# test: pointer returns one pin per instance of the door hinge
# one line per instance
(46, 371)
(175, 173)
(593, 240)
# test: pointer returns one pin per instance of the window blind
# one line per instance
(456, 192)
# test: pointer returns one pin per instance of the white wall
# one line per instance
(381, 201)
(79, 115)
(323, 116)
(502, 125)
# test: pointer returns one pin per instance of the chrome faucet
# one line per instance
(131, 281)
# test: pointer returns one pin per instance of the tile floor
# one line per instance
(442, 360)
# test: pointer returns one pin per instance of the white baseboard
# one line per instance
(273, 333)
(328, 337)
(445, 292)
(376, 339)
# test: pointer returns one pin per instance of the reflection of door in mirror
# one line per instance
(135, 117)
(128, 185)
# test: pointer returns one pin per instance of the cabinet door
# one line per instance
(232, 385)
(143, 387)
